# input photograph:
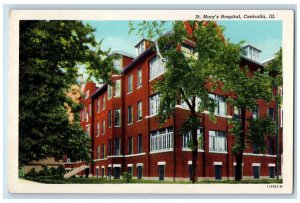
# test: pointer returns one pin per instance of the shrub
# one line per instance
(32, 173)
(61, 171)
(127, 176)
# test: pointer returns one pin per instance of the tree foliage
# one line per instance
(50, 54)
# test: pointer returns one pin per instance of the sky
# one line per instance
(265, 35)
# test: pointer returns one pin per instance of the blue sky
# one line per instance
(266, 35)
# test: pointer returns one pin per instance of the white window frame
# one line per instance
(157, 68)
(130, 112)
(186, 139)
(219, 100)
(109, 92)
(117, 92)
(154, 101)
(215, 141)
(139, 78)
(161, 140)
(117, 110)
(139, 111)
(98, 129)
(129, 84)
(98, 105)
(103, 127)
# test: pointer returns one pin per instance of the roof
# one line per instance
(124, 53)
(252, 61)
(250, 45)
(102, 88)
(138, 59)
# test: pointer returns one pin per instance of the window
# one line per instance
(140, 145)
(102, 172)
(82, 114)
(103, 102)
(109, 171)
(117, 64)
(130, 145)
(117, 92)
(129, 169)
(109, 147)
(255, 113)
(187, 139)
(117, 172)
(217, 141)
(129, 84)
(235, 168)
(255, 148)
(161, 140)
(256, 172)
(117, 146)
(271, 113)
(139, 78)
(103, 127)
(218, 172)
(109, 119)
(98, 105)
(130, 114)
(110, 89)
(88, 130)
(188, 51)
(139, 110)
(103, 151)
(97, 172)
(117, 117)
(87, 94)
(272, 171)
(154, 104)
(139, 172)
(220, 105)
(185, 106)
(98, 152)
(236, 112)
(98, 129)
(157, 68)
(190, 171)
(161, 172)
(140, 48)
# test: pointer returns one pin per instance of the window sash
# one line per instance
(154, 104)
(161, 140)
(140, 146)
(217, 141)
(117, 146)
(139, 114)
(139, 82)
(117, 118)
(130, 114)
(157, 68)
(117, 88)
(188, 137)
(130, 84)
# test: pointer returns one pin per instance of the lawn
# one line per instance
(51, 180)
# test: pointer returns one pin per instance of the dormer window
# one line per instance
(251, 52)
(140, 48)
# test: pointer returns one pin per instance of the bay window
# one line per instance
(157, 68)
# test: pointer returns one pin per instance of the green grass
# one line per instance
(56, 180)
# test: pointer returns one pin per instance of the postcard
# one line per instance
(151, 101)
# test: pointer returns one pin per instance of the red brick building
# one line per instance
(123, 125)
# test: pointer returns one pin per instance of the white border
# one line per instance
(16, 186)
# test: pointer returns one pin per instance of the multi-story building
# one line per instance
(121, 120)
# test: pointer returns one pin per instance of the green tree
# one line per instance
(50, 54)
(245, 87)
(189, 77)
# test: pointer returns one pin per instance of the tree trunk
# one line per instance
(194, 156)
(239, 154)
